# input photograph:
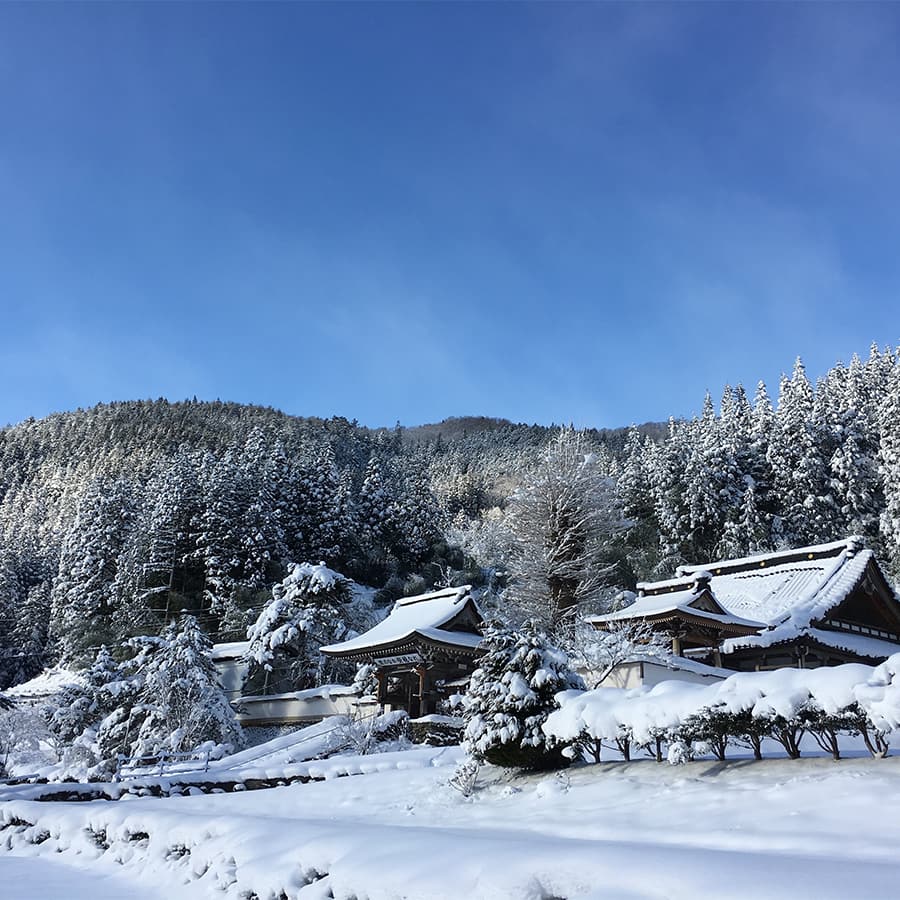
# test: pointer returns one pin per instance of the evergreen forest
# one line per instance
(117, 519)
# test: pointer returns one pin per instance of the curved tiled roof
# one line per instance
(423, 615)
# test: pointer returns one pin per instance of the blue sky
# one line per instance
(558, 212)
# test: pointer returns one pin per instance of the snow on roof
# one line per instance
(651, 605)
(656, 586)
(779, 591)
(785, 591)
(855, 643)
(229, 650)
(682, 663)
(791, 596)
(659, 604)
(49, 682)
(424, 615)
(457, 638)
(323, 692)
(833, 548)
(861, 644)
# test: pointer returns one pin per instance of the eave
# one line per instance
(416, 642)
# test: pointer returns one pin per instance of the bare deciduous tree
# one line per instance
(596, 653)
(562, 518)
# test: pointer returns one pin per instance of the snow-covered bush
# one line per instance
(826, 727)
(679, 752)
(511, 693)
(308, 611)
(365, 734)
(166, 696)
(82, 704)
(465, 777)
(750, 730)
(365, 682)
(117, 732)
(712, 726)
(24, 740)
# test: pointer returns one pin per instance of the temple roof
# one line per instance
(786, 595)
(426, 618)
(689, 601)
(798, 585)
(860, 644)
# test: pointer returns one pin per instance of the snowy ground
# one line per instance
(43, 878)
(772, 829)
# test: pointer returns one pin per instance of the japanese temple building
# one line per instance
(812, 606)
(422, 651)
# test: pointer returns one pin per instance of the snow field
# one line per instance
(774, 829)
(41, 878)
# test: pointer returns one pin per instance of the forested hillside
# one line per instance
(116, 518)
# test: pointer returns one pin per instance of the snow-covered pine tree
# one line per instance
(82, 705)
(117, 732)
(323, 509)
(186, 706)
(307, 611)
(416, 513)
(711, 481)
(853, 423)
(263, 548)
(510, 695)
(759, 471)
(221, 539)
(668, 463)
(889, 466)
(748, 531)
(374, 529)
(801, 477)
(743, 526)
(374, 509)
(159, 573)
(84, 601)
(10, 610)
(634, 490)
(29, 634)
(633, 485)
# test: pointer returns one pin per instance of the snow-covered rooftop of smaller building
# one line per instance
(682, 663)
(323, 692)
(672, 601)
(424, 615)
(861, 644)
(832, 548)
(229, 650)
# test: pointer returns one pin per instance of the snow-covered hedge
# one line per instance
(746, 707)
